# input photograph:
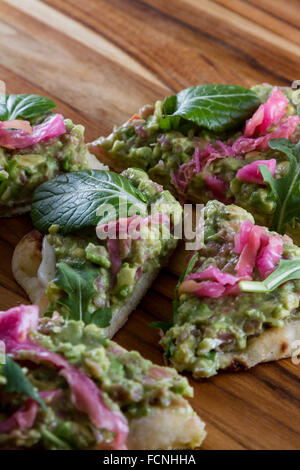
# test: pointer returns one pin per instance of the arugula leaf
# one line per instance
(54, 439)
(74, 200)
(287, 270)
(215, 107)
(24, 107)
(211, 355)
(18, 382)
(188, 269)
(165, 326)
(161, 325)
(102, 317)
(78, 284)
(287, 188)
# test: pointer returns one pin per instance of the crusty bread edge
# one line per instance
(134, 299)
(273, 344)
(102, 156)
(26, 260)
(174, 427)
(94, 163)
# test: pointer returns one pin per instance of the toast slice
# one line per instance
(199, 165)
(35, 146)
(121, 274)
(98, 395)
(225, 317)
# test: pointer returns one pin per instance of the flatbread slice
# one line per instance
(111, 398)
(25, 270)
(36, 145)
(225, 316)
(200, 165)
(36, 257)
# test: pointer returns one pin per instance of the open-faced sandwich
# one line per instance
(64, 386)
(96, 267)
(237, 303)
(35, 145)
(216, 142)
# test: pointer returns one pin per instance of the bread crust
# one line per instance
(94, 163)
(175, 427)
(273, 344)
(132, 302)
(26, 260)
(24, 206)
(102, 156)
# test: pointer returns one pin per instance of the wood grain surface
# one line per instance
(103, 59)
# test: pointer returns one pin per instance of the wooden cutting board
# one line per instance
(101, 60)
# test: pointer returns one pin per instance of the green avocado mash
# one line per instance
(22, 170)
(129, 383)
(141, 142)
(206, 328)
(83, 250)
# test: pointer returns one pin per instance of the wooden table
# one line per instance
(101, 60)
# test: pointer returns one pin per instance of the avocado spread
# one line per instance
(133, 257)
(141, 142)
(205, 328)
(23, 170)
(129, 384)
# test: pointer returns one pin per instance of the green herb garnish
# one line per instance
(25, 107)
(165, 326)
(286, 189)
(73, 200)
(287, 270)
(78, 285)
(55, 440)
(218, 108)
(18, 382)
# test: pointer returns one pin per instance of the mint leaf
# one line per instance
(170, 104)
(165, 326)
(287, 188)
(25, 107)
(77, 283)
(18, 382)
(169, 122)
(215, 107)
(73, 200)
(287, 270)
